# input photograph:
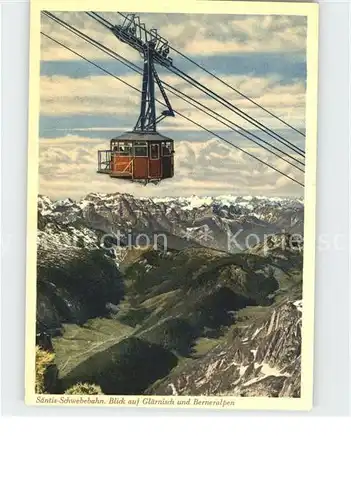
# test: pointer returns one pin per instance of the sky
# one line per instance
(82, 108)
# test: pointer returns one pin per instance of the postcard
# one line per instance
(171, 204)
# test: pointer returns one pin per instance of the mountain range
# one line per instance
(224, 223)
(200, 313)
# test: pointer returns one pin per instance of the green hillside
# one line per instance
(174, 309)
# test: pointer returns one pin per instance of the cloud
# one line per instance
(215, 34)
(104, 96)
(95, 103)
(218, 34)
(68, 169)
(51, 51)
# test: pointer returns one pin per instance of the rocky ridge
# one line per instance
(262, 359)
(225, 223)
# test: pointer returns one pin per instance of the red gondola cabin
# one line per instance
(139, 156)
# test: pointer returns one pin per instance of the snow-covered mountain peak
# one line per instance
(213, 217)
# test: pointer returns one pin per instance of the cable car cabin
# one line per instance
(138, 156)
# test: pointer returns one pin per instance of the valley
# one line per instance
(189, 319)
